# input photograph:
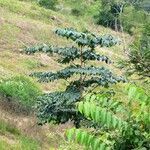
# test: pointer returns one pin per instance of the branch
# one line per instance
(71, 70)
(87, 39)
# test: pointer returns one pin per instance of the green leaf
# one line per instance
(70, 134)
(78, 135)
(109, 118)
(131, 92)
(80, 107)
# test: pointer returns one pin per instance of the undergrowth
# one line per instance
(21, 89)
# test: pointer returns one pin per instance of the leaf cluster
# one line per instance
(87, 39)
(68, 54)
(97, 73)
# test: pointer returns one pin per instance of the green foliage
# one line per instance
(86, 139)
(49, 4)
(59, 107)
(21, 89)
(139, 55)
(101, 115)
(105, 74)
(67, 54)
(118, 130)
(87, 39)
(109, 14)
(124, 15)
(142, 4)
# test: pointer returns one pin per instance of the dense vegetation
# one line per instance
(121, 125)
(21, 89)
(124, 15)
(139, 55)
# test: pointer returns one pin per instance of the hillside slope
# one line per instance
(23, 23)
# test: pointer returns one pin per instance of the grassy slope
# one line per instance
(12, 139)
(25, 24)
(19, 131)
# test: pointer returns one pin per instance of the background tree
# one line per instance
(59, 106)
(109, 14)
(123, 15)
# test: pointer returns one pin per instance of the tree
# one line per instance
(124, 125)
(109, 15)
(139, 56)
(60, 106)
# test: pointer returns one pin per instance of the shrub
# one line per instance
(138, 56)
(21, 89)
(49, 4)
(122, 125)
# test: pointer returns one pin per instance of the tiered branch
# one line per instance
(87, 39)
(68, 54)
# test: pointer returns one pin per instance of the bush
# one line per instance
(21, 89)
(49, 4)
(138, 55)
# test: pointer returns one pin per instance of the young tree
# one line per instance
(59, 106)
